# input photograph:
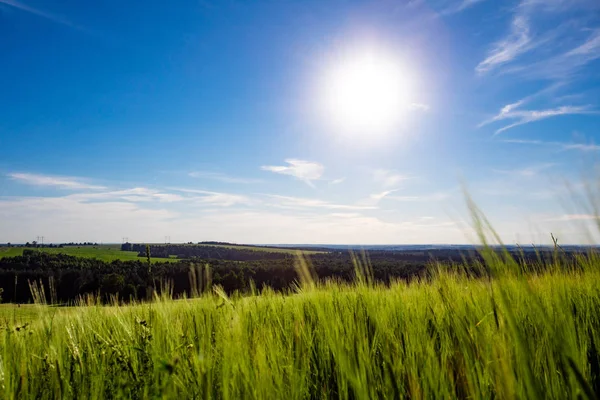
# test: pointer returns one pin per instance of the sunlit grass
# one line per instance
(451, 336)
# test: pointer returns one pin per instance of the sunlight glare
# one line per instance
(366, 93)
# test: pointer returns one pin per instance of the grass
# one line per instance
(16, 314)
(102, 252)
(514, 336)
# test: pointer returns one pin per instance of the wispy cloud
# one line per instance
(306, 171)
(346, 215)
(60, 182)
(544, 30)
(63, 219)
(52, 17)
(388, 178)
(561, 145)
(581, 147)
(148, 195)
(527, 172)
(506, 50)
(299, 202)
(217, 198)
(218, 176)
(419, 106)
(375, 198)
(590, 48)
(422, 198)
(573, 217)
(565, 64)
(464, 4)
(444, 7)
(511, 112)
(337, 181)
(133, 195)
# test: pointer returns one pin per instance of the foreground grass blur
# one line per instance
(513, 336)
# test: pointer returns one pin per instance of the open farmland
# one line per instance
(102, 252)
(268, 249)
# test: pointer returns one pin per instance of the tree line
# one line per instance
(66, 278)
(186, 251)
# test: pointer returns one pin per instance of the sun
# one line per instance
(366, 92)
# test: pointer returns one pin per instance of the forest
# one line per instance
(67, 278)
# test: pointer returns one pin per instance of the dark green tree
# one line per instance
(112, 283)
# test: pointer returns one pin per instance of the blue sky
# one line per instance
(204, 121)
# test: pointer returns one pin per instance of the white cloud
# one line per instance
(506, 50)
(419, 106)
(464, 4)
(68, 218)
(564, 64)
(38, 12)
(134, 195)
(375, 198)
(388, 178)
(337, 181)
(511, 112)
(445, 7)
(525, 141)
(581, 147)
(572, 217)
(217, 176)
(63, 219)
(422, 198)
(299, 202)
(146, 195)
(217, 198)
(346, 215)
(590, 48)
(527, 172)
(61, 182)
(544, 30)
(561, 145)
(306, 171)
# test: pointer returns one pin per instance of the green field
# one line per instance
(113, 252)
(514, 336)
(261, 248)
(102, 252)
(17, 314)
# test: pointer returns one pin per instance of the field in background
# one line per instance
(102, 252)
(12, 315)
(262, 248)
(111, 252)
